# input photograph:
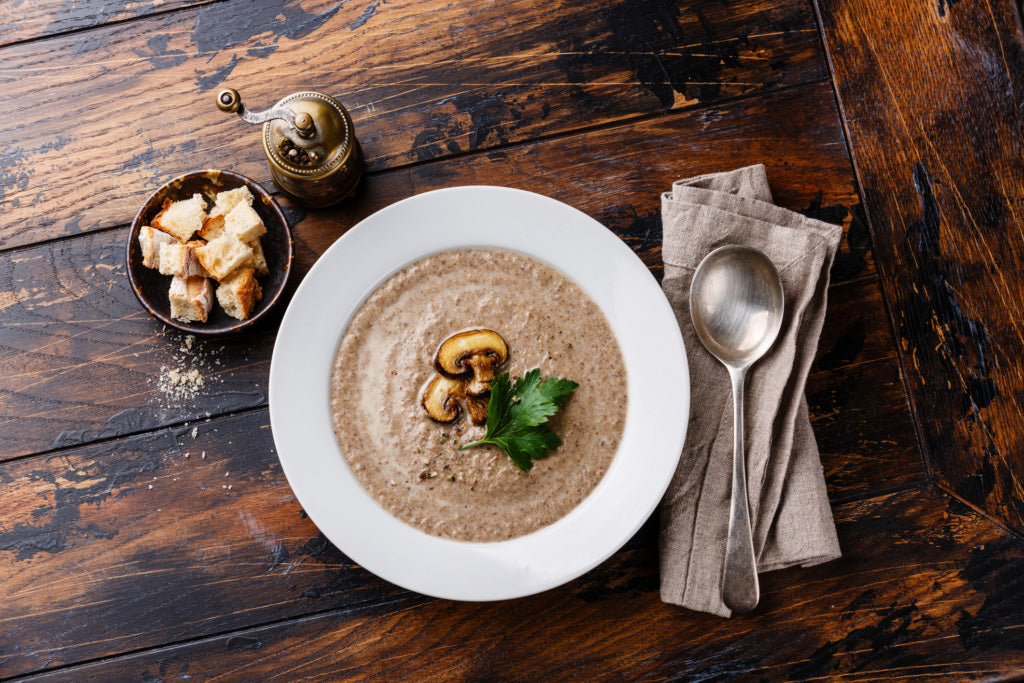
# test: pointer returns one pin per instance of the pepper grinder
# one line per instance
(310, 144)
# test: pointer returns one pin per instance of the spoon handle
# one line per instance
(740, 591)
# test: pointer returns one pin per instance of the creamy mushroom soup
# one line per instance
(409, 462)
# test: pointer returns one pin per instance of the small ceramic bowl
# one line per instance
(151, 287)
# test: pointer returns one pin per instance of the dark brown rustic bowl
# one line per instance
(151, 287)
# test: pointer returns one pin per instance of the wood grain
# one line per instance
(857, 402)
(133, 544)
(95, 120)
(81, 360)
(926, 590)
(24, 20)
(931, 92)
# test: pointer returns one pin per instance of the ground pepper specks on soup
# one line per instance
(409, 463)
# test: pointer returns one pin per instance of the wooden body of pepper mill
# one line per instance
(310, 144)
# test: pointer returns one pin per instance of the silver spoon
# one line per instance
(736, 306)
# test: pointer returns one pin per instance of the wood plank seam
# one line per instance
(864, 279)
(881, 268)
(622, 122)
(994, 520)
(57, 452)
(396, 599)
(882, 272)
(918, 435)
(115, 22)
(229, 414)
(875, 493)
(928, 457)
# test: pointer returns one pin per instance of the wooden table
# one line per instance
(150, 537)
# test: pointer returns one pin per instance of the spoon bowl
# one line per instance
(736, 304)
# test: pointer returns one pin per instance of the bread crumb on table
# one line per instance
(186, 375)
(178, 384)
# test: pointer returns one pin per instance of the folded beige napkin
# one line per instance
(790, 514)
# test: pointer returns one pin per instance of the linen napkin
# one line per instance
(791, 518)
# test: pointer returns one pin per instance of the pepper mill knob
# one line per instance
(228, 100)
(304, 124)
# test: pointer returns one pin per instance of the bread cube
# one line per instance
(191, 299)
(244, 223)
(181, 260)
(182, 219)
(230, 199)
(213, 227)
(150, 241)
(258, 262)
(222, 256)
(239, 293)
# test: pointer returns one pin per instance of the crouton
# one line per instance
(191, 299)
(258, 261)
(181, 260)
(220, 257)
(150, 241)
(213, 227)
(182, 219)
(244, 223)
(229, 199)
(238, 294)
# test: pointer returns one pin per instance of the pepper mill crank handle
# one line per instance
(228, 100)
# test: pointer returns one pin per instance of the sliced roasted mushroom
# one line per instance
(475, 352)
(477, 409)
(441, 398)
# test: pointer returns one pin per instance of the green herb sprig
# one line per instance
(516, 414)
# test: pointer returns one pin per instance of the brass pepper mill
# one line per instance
(310, 144)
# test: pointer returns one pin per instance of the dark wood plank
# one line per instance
(858, 405)
(926, 590)
(24, 20)
(81, 359)
(109, 114)
(931, 92)
(133, 544)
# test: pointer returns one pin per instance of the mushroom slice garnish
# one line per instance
(474, 352)
(478, 409)
(441, 398)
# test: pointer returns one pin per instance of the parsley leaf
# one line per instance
(516, 414)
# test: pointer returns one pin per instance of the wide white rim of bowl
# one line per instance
(464, 217)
